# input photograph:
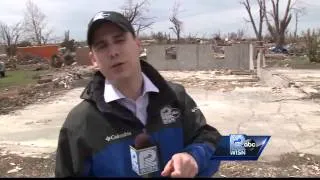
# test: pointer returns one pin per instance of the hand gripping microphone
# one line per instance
(144, 156)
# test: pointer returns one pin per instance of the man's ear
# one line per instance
(93, 60)
(138, 42)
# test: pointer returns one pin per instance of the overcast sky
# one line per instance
(201, 17)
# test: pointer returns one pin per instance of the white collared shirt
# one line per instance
(138, 107)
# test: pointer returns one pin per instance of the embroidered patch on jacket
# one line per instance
(169, 115)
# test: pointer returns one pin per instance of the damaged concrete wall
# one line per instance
(199, 57)
(237, 56)
(206, 59)
(188, 57)
(185, 60)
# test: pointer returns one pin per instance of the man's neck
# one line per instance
(131, 87)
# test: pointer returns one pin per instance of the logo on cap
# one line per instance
(101, 15)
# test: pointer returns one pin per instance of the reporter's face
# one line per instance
(115, 52)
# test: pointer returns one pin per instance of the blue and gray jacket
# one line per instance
(95, 137)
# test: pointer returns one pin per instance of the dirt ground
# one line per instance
(30, 167)
(18, 97)
(290, 165)
(219, 80)
(54, 82)
(14, 98)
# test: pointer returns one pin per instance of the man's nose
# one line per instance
(113, 51)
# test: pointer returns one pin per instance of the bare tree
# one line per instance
(258, 29)
(35, 24)
(312, 40)
(10, 36)
(236, 35)
(232, 36)
(240, 34)
(68, 43)
(192, 38)
(160, 36)
(177, 24)
(298, 12)
(278, 26)
(217, 36)
(136, 14)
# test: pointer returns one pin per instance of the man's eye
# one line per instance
(119, 40)
(100, 46)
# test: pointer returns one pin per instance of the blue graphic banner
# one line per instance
(240, 147)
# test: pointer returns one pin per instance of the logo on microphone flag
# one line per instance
(144, 161)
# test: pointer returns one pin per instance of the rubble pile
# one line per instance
(10, 63)
(3, 57)
(39, 67)
(276, 56)
(55, 83)
(13, 63)
(29, 59)
(66, 77)
(15, 99)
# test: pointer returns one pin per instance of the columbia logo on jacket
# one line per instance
(118, 136)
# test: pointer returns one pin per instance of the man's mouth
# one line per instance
(116, 65)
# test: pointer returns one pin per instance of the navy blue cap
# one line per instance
(108, 16)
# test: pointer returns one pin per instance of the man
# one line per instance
(126, 97)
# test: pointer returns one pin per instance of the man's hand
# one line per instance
(181, 165)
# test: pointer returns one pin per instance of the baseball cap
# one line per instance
(108, 16)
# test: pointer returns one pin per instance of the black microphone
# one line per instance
(144, 156)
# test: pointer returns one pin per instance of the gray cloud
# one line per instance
(202, 17)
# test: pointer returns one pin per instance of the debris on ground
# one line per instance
(290, 165)
(14, 170)
(278, 56)
(10, 64)
(224, 80)
(57, 81)
(30, 59)
(26, 166)
(65, 77)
